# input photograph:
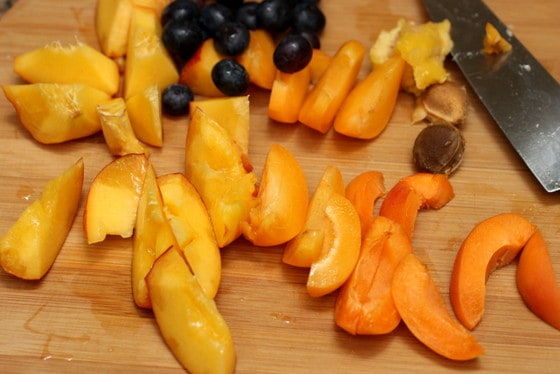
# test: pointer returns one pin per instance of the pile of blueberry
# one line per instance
(296, 24)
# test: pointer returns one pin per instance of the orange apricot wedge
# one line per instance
(424, 312)
(306, 246)
(415, 192)
(363, 191)
(340, 249)
(320, 60)
(367, 109)
(491, 244)
(287, 95)
(537, 282)
(365, 303)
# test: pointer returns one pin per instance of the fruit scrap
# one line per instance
(367, 109)
(417, 191)
(491, 244)
(536, 280)
(424, 312)
(363, 191)
(365, 303)
(325, 98)
(30, 247)
(494, 43)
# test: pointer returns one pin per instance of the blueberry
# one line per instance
(312, 38)
(274, 15)
(308, 17)
(180, 10)
(230, 77)
(292, 53)
(247, 15)
(175, 99)
(231, 39)
(213, 15)
(182, 39)
(232, 4)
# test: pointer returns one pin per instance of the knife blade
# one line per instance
(518, 92)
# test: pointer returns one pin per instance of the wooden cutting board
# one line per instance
(81, 317)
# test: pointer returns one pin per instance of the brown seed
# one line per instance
(439, 149)
(442, 103)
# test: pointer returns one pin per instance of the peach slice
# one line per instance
(112, 200)
(424, 312)
(56, 113)
(365, 303)
(193, 230)
(232, 113)
(536, 280)
(30, 247)
(112, 22)
(257, 59)
(417, 191)
(147, 60)
(363, 191)
(287, 95)
(74, 63)
(188, 319)
(197, 71)
(306, 246)
(282, 201)
(325, 98)
(340, 249)
(145, 114)
(117, 130)
(156, 5)
(491, 244)
(216, 165)
(153, 235)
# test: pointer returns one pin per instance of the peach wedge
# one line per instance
(32, 244)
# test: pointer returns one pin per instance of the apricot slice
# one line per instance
(197, 71)
(367, 109)
(491, 244)
(417, 191)
(363, 191)
(320, 60)
(306, 246)
(282, 200)
(325, 98)
(74, 63)
(340, 248)
(153, 235)
(30, 247)
(56, 113)
(365, 303)
(537, 282)
(112, 199)
(287, 95)
(257, 59)
(424, 312)
(189, 320)
(144, 112)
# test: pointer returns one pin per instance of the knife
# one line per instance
(518, 92)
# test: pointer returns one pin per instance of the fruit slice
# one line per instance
(365, 303)
(152, 237)
(491, 244)
(118, 133)
(282, 200)
(363, 191)
(306, 247)
(536, 280)
(56, 113)
(367, 109)
(74, 63)
(29, 248)
(192, 228)
(216, 165)
(340, 249)
(112, 22)
(287, 95)
(156, 5)
(232, 113)
(423, 310)
(257, 59)
(147, 60)
(197, 72)
(323, 101)
(188, 319)
(112, 199)
(144, 111)
(320, 60)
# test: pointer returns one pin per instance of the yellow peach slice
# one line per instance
(112, 22)
(56, 113)
(144, 112)
(197, 71)
(32, 244)
(112, 200)
(282, 200)
(193, 230)
(257, 59)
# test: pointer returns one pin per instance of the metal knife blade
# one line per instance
(518, 92)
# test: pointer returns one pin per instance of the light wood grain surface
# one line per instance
(81, 317)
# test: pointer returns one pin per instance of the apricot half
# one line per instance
(490, 245)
